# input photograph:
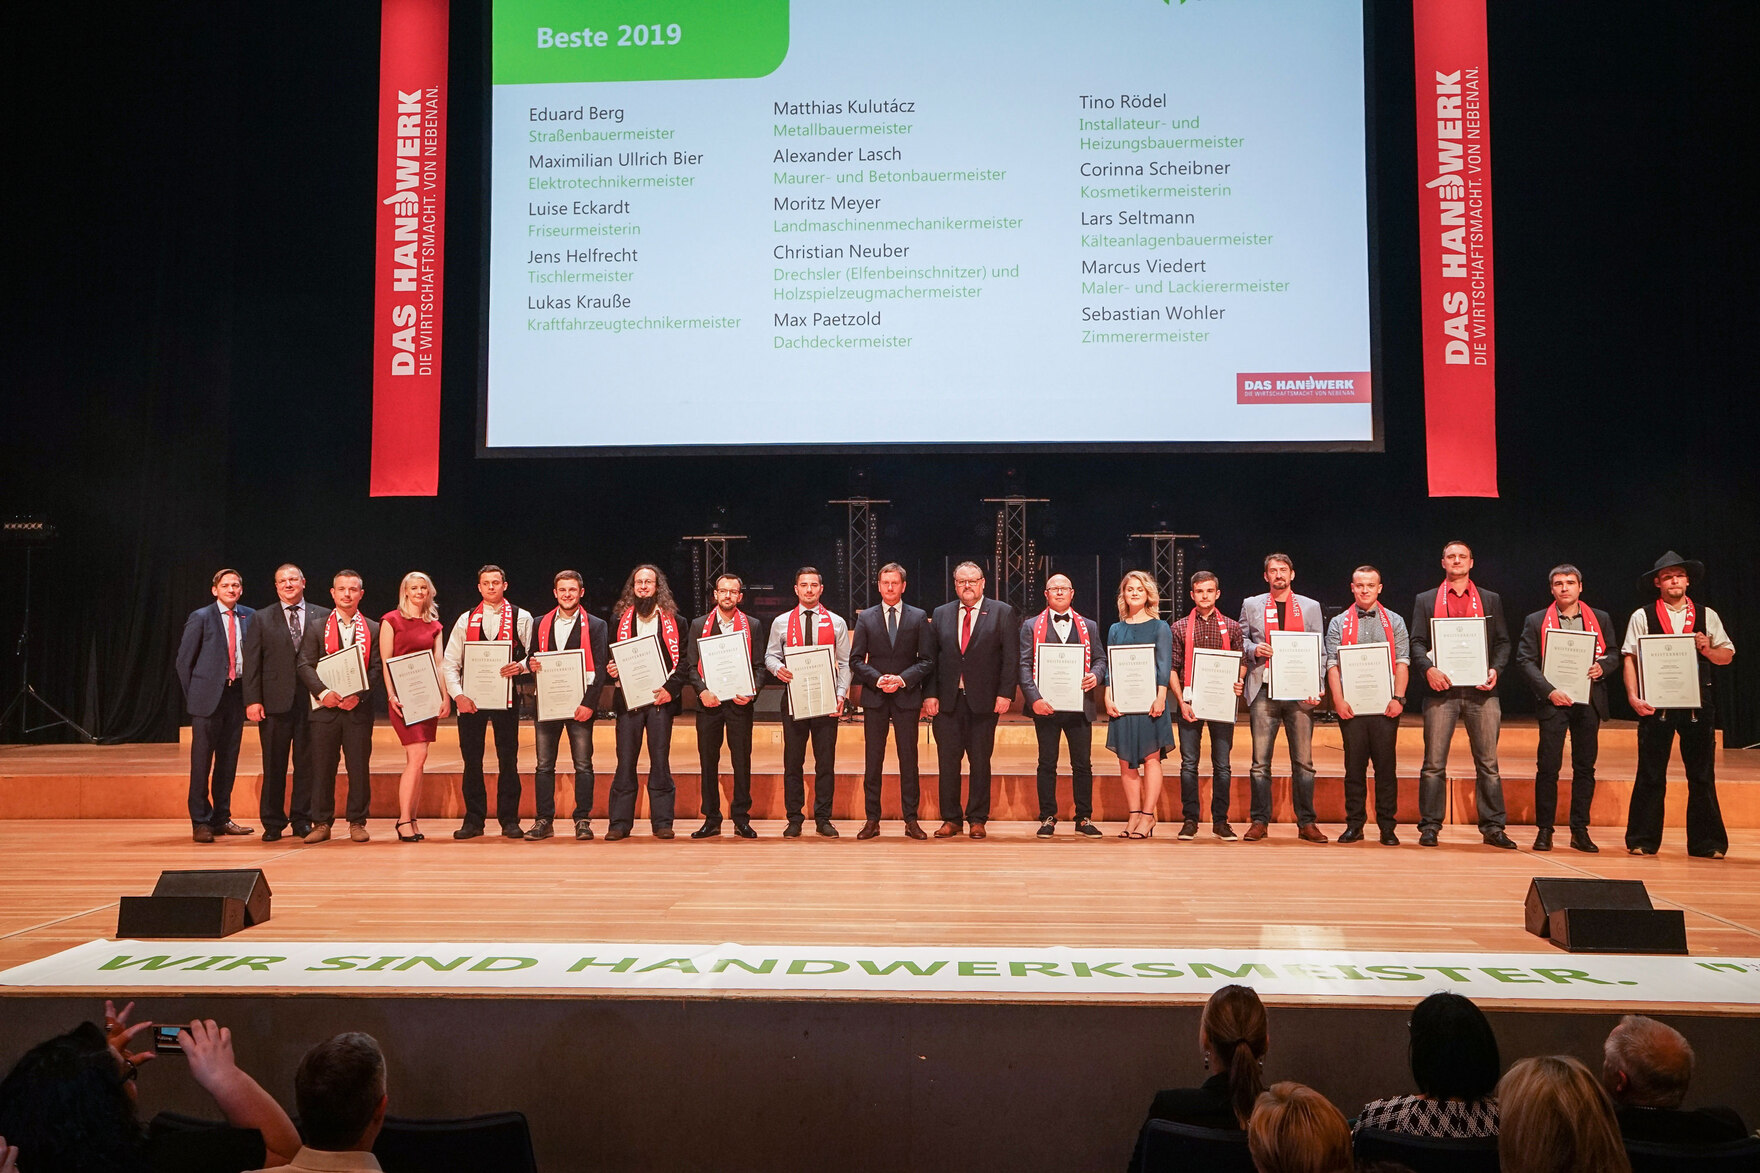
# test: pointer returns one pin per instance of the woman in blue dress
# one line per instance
(1141, 740)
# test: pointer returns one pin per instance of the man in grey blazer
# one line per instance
(1059, 623)
(1279, 609)
(274, 699)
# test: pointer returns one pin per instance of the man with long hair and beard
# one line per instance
(646, 608)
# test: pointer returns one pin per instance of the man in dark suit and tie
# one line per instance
(893, 654)
(976, 665)
(274, 699)
(342, 726)
(210, 665)
(1060, 624)
(1559, 714)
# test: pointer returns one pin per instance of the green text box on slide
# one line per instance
(637, 40)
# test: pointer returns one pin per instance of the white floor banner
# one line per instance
(724, 968)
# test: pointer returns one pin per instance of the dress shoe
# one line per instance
(1427, 839)
(1047, 828)
(1389, 839)
(320, 832)
(358, 832)
(744, 830)
(664, 833)
(512, 831)
(1499, 839)
(1311, 833)
(1706, 854)
(793, 830)
(1189, 829)
(707, 831)
(583, 829)
(299, 830)
(271, 836)
(1224, 832)
(913, 830)
(1256, 832)
(977, 831)
(232, 828)
(870, 830)
(1543, 839)
(542, 829)
(824, 828)
(468, 831)
(1086, 828)
(948, 830)
(202, 833)
(616, 833)
(1351, 835)
(1630, 850)
(1580, 841)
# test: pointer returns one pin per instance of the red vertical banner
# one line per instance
(1454, 246)
(409, 262)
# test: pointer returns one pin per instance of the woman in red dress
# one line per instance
(413, 627)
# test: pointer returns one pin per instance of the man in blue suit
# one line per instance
(893, 653)
(210, 665)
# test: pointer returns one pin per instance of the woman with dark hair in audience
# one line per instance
(69, 1105)
(1232, 1038)
(1453, 1055)
(1295, 1129)
(1557, 1118)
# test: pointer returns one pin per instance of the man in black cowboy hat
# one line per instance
(1674, 613)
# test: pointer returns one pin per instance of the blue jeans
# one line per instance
(1266, 717)
(1481, 714)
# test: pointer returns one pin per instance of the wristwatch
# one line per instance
(1401, 700)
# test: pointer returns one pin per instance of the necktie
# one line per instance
(892, 625)
(293, 626)
(809, 627)
(965, 628)
(231, 647)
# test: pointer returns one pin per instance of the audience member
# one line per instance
(1555, 1118)
(1295, 1129)
(1454, 1060)
(1646, 1067)
(69, 1104)
(1231, 1042)
(340, 1091)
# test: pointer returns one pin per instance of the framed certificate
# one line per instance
(640, 669)
(1668, 671)
(1460, 650)
(1293, 672)
(1210, 691)
(1057, 674)
(725, 663)
(812, 684)
(1130, 671)
(1569, 656)
(561, 683)
(344, 671)
(479, 674)
(417, 683)
(1365, 677)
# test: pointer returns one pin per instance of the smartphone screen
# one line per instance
(165, 1040)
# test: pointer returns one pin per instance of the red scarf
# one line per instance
(1192, 640)
(333, 635)
(626, 625)
(474, 630)
(549, 621)
(1043, 627)
(739, 624)
(827, 633)
(1349, 634)
(1551, 623)
(1441, 608)
(1295, 614)
(1665, 623)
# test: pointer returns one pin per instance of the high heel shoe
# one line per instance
(402, 838)
(1128, 833)
(1150, 833)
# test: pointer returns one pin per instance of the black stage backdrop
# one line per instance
(188, 364)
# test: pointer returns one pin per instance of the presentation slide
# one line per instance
(821, 223)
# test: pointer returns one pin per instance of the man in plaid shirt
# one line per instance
(1204, 627)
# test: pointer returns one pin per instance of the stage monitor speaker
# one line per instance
(1547, 895)
(246, 884)
(1620, 930)
(180, 916)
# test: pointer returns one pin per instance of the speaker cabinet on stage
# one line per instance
(205, 903)
(1602, 916)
